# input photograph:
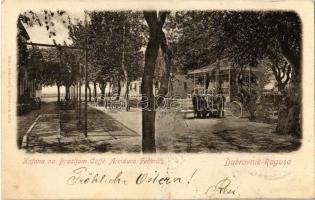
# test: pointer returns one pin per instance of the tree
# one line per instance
(265, 34)
(132, 40)
(281, 70)
(115, 42)
(48, 67)
(53, 73)
(245, 38)
(157, 39)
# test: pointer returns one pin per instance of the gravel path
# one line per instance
(118, 132)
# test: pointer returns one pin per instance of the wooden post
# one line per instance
(204, 83)
(86, 86)
(229, 83)
(194, 82)
(77, 102)
(215, 79)
(212, 98)
(80, 97)
(249, 81)
(74, 99)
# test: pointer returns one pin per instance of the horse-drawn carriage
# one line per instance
(217, 86)
(236, 93)
(208, 104)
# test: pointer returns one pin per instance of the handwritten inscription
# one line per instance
(157, 178)
(85, 174)
(222, 187)
(82, 175)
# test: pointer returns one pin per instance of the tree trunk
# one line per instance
(127, 95)
(118, 89)
(281, 88)
(282, 79)
(102, 86)
(77, 100)
(58, 97)
(109, 89)
(90, 95)
(289, 116)
(151, 53)
(95, 92)
(125, 70)
(73, 95)
(165, 75)
(67, 97)
(165, 78)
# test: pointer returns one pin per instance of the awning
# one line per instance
(223, 67)
(204, 69)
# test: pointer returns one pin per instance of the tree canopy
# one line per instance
(243, 37)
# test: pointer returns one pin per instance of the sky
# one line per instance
(39, 34)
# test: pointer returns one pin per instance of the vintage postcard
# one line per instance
(157, 100)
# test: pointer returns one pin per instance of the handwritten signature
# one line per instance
(222, 187)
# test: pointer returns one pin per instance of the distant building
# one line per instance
(134, 88)
(179, 86)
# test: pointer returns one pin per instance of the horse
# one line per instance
(204, 105)
(219, 102)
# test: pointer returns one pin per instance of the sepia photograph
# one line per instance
(157, 99)
(162, 81)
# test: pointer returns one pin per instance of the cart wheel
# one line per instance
(236, 109)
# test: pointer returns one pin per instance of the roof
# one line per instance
(223, 65)
(207, 69)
